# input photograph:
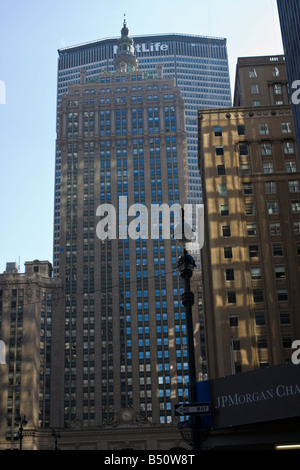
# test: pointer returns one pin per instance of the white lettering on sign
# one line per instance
(146, 47)
(226, 401)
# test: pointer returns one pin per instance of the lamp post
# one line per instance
(21, 422)
(56, 435)
(185, 266)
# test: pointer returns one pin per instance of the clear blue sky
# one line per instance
(31, 31)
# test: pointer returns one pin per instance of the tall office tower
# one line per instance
(250, 177)
(289, 16)
(122, 144)
(27, 304)
(198, 64)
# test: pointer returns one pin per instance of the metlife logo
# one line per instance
(148, 47)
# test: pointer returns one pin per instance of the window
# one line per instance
(221, 170)
(268, 168)
(224, 210)
(275, 228)
(231, 297)
(233, 320)
(229, 274)
(273, 208)
(297, 228)
(294, 186)
(226, 231)
(256, 103)
(285, 318)
(277, 89)
(255, 273)
(260, 319)
(287, 341)
(222, 190)
(277, 250)
(286, 127)
(245, 168)
(262, 342)
(282, 295)
(291, 167)
(280, 272)
(270, 187)
(264, 129)
(288, 147)
(241, 129)
(247, 188)
(253, 251)
(252, 73)
(218, 131)
(257, 295)
(276, 72)
(254, 89)
(295, 206)
(266, 149)
(243, 150)
(219, 150)
(235, 342)
(227, 252)
(251, 230)
(249, 208)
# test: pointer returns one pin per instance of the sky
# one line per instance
(31, 32)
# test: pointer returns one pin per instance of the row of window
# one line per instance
(258, 296)
(270, 188)
(264, 129)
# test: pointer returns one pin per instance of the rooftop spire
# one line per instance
(124, 30)
(125, 60)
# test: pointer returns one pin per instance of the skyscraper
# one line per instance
(198, 64)
(27, 306)
(251, 185)
(289, 15)
(122, 146)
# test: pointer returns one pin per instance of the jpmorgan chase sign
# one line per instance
(259, 396)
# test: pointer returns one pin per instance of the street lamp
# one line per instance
(21, 422)
(185, 265)
(56, 435)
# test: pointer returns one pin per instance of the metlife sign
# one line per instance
(148, 47)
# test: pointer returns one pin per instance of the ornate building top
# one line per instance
(125, 60)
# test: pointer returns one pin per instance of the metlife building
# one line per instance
(199, 65)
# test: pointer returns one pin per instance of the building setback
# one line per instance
(250, 176)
